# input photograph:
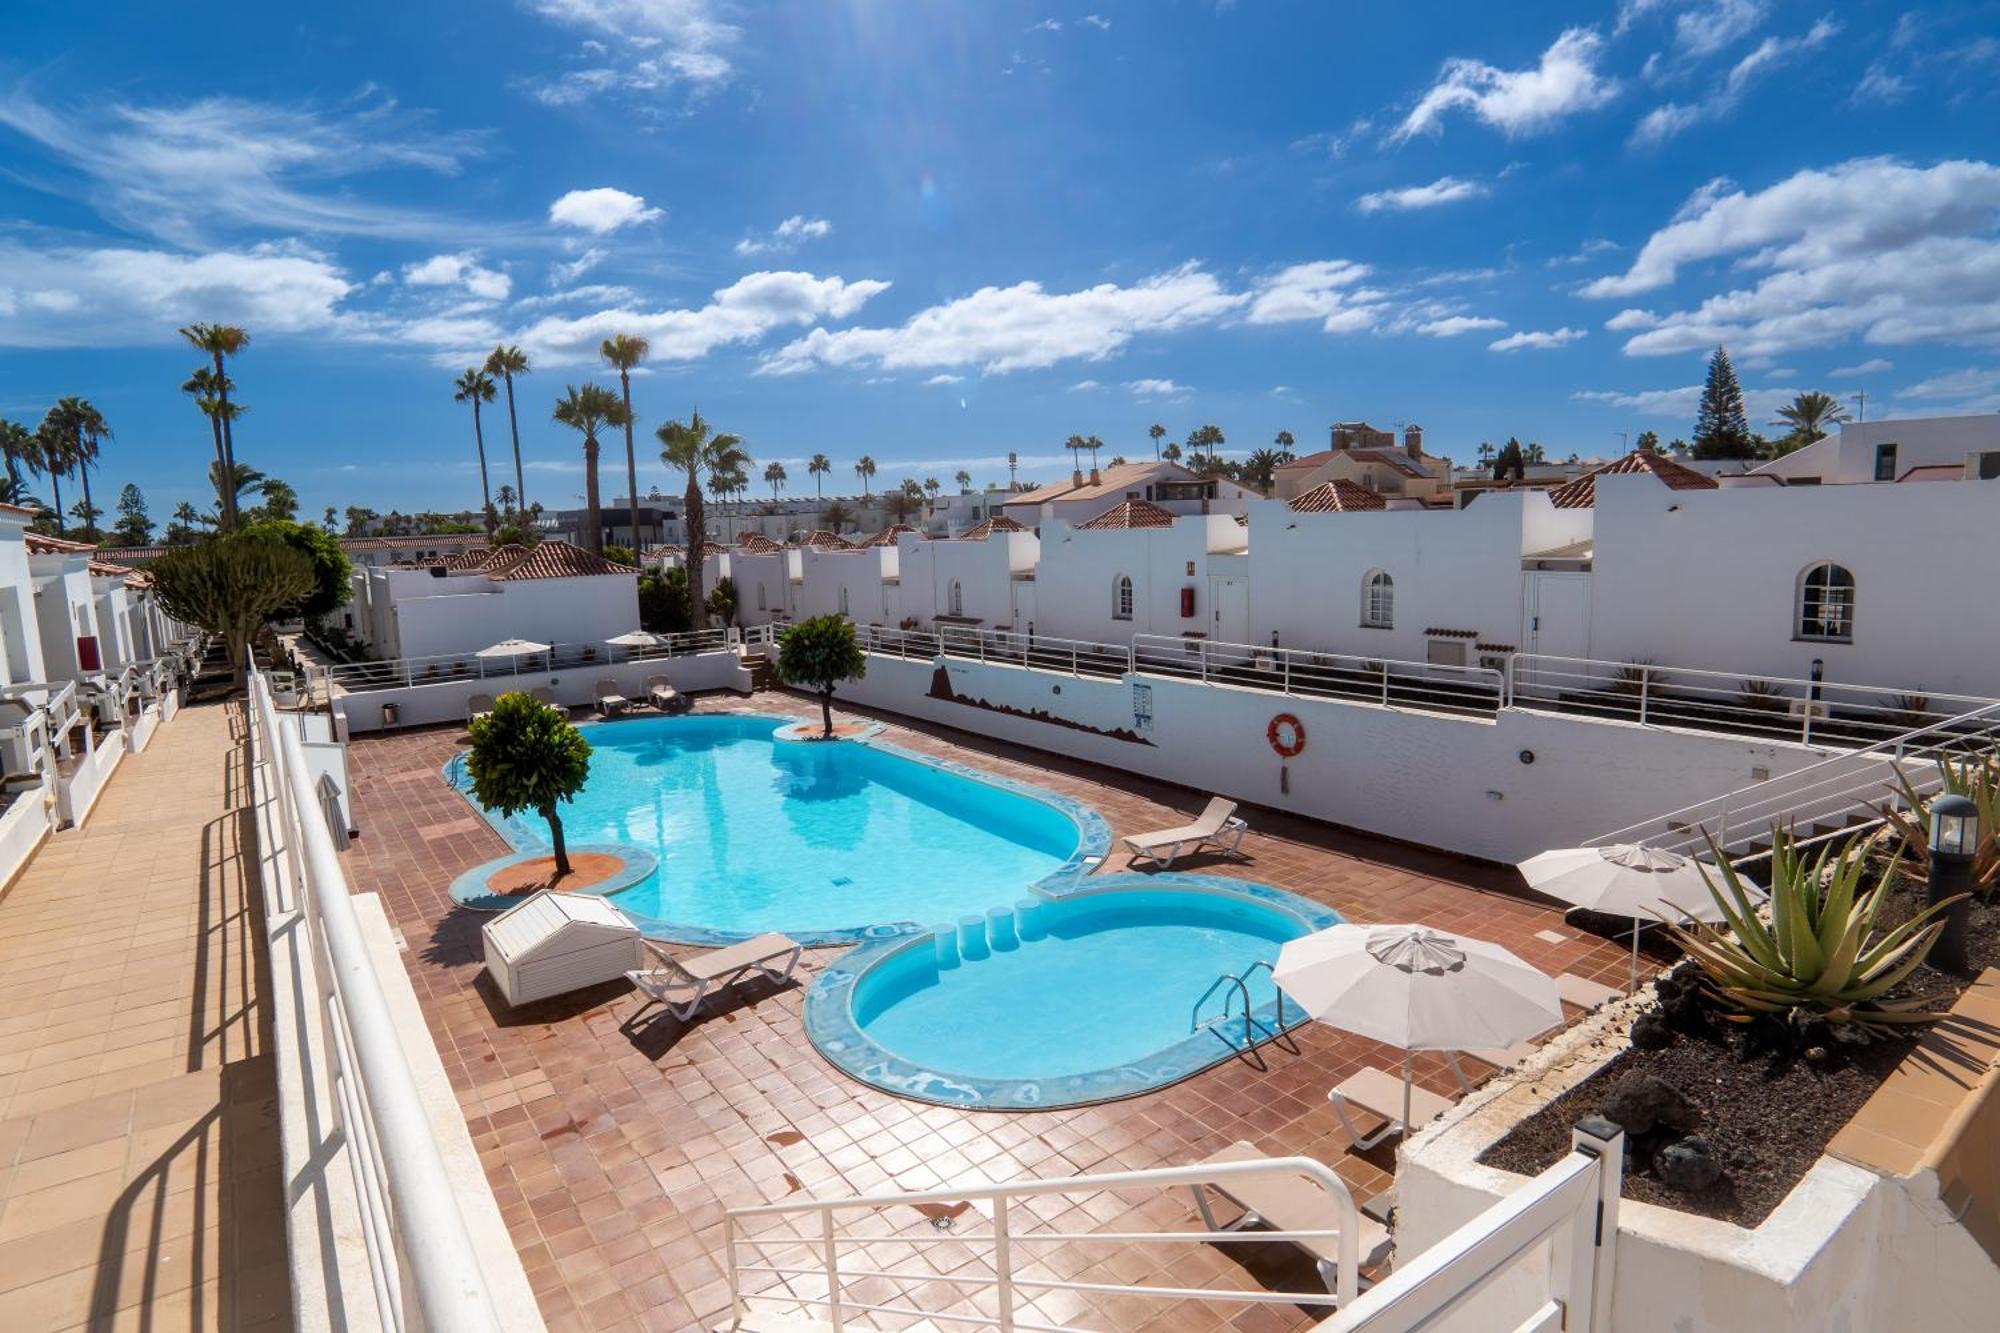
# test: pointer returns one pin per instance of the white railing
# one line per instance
(818, 1267)
(1306, 674)
(1813, 712)
(1823, 800)
(1569, 1214)
(415, 1234)
(404, 672)
(1075, 657)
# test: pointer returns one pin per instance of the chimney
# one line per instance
(1076, 476)
(1095, 480)
(1413, 441)
(1339, 440)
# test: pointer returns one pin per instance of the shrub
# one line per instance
(526, 756)
(663, 602)
(1815, 953)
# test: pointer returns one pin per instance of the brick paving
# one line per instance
(140, 1172)
(614, 1155)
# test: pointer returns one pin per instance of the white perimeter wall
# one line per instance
(1445, 782)
(575, 687)
(579, 610)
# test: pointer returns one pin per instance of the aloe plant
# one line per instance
(1815, 951)
(1907, 814)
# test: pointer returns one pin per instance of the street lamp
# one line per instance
(1954, 840)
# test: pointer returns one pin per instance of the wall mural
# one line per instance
(941, 688)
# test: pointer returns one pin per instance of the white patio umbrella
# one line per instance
(1417, 988)
(639, 638)
(512, 648)
(1625, 879)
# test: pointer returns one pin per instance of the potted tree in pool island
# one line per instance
(526, 756)
(817, 654)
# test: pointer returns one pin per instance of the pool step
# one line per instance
(762, 675)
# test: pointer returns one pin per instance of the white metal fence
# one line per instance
(1305, 674)
(421, 1260)
(446, 668)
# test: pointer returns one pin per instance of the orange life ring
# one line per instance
(1275, 734)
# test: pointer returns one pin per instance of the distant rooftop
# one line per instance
(1582, 493)
(1339, 496)
(1132, 514)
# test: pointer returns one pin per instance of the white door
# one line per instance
(1229, 610)
(1558, 615)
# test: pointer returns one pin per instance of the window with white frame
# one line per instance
(1826, 603)
(1121, 597)
(955, 599)
(1378, 600)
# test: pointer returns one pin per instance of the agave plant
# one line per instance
(1907, 814)
(1815, 952)
(1762, 696)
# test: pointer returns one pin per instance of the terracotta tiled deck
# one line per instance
(140, 1180)
(613, 1157)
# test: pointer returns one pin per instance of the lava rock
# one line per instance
(1652, 1032)
(1818, 1056)
(1688, 1165)
(1641, 1102)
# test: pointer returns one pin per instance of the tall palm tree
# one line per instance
(587, 411)
(1284, 443)
(475, 386)
(774, 472)
(1092, 443)
(864, 468)
(932, 487)
(818, 468)
(201, 386)
(84, 427)
(229, 494)
(17, 447)
(1076, 444)
(220, 341)
(1157, 431)
(507, 362)
(622, 353)
(695, 448)
(964, 480)
(1259, 466)
(54, 455)
(1172, 453)
(1810, 413)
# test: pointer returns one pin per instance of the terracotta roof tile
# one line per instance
(1131, 514)
(40, 543)
(756, 543)
(1113, 480)
(1582, 493)
(888, 535)
(555, 560)
(473, 557)
(997, 523)
(1339, 496)
(821, 539)
(434, 540)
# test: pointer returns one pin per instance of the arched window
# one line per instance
(1826, 603)
(1121, 597)
(955, 599)
(843, 599)
(1378, 600)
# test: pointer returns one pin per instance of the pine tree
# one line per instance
(1721, 428)
(134, 527)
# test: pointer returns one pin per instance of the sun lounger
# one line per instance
(478, 706)
(1381, 1094)
(609, 701)
(1218, 827)
(1585, 995)
(681, 984)
(1498, 1058)
(1288, 1203)
(661, 694)
(542, 694)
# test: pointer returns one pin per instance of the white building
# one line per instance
(552, 593)
(1908, 449)
(1168, 485)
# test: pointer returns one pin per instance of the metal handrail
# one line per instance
(1242, 983)
(412, 1220)
(441, 668)
(1303, 673)
(1005, 1281)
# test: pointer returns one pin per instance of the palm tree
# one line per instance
(1157, 431)
(1076, 444)
(475, 386)
(817, 469)
(1810, 413)
(17, 447)
(1284, 443)
(87, 431)
(201, 386)
(1092, 443)
(622, 353)
(695, 448)
(507, 362)
(774, 473)
(54, 454)
(836, 517)
(229, 498)
(1257, 468)
(1172, 453)
(931, 487)
(964, 480)
(587, 411)
(219, 341)
(864, 468)
(186, 519)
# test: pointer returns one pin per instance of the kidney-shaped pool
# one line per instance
(829, 842)
(1077, 996)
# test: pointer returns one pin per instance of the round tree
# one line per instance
(231, 586)
(526, 756)
(330, 566)
(817, 654)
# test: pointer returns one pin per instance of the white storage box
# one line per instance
(556, 942)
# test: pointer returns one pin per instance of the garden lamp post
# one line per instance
(1954, 840)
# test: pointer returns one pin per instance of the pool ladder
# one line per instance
(1238, 983)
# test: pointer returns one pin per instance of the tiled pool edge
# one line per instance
(830, 1025)
(1093, 841)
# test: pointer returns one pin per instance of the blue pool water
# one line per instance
(1108, 992)
(756, 834)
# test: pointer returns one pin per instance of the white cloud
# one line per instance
(1880, 85)
(1097, 21)
(1873, 248)
(562, 273)
(1085, 386)
(1046, 25)
(1873, 366)
(462, 271)
(601, 211)
(1023, 327)
(1517, 102)
(942, 378)
(656, 46)
(1443, 190)
(595, 294)
(1706, 28)
(1771, 54)
(1586, 252)
(1451, 326)
(113, 296)
(1157, 388)
(183, 172)
(1326, 290)
(1971, 382)
(1631, 319)
(786, 237)
(747, 309)
(1759, 404)
(1537, 339)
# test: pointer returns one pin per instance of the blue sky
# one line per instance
(937, 232)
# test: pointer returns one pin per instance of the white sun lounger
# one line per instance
(609, 700)
(681, 984)
(1288, 1203)
(1585, 995)
(661, 694)
(542, 694)
(1381, 1094)
(478, 706)
(1217, 826)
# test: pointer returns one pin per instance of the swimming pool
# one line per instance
(1082, 995)
(828, 842)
